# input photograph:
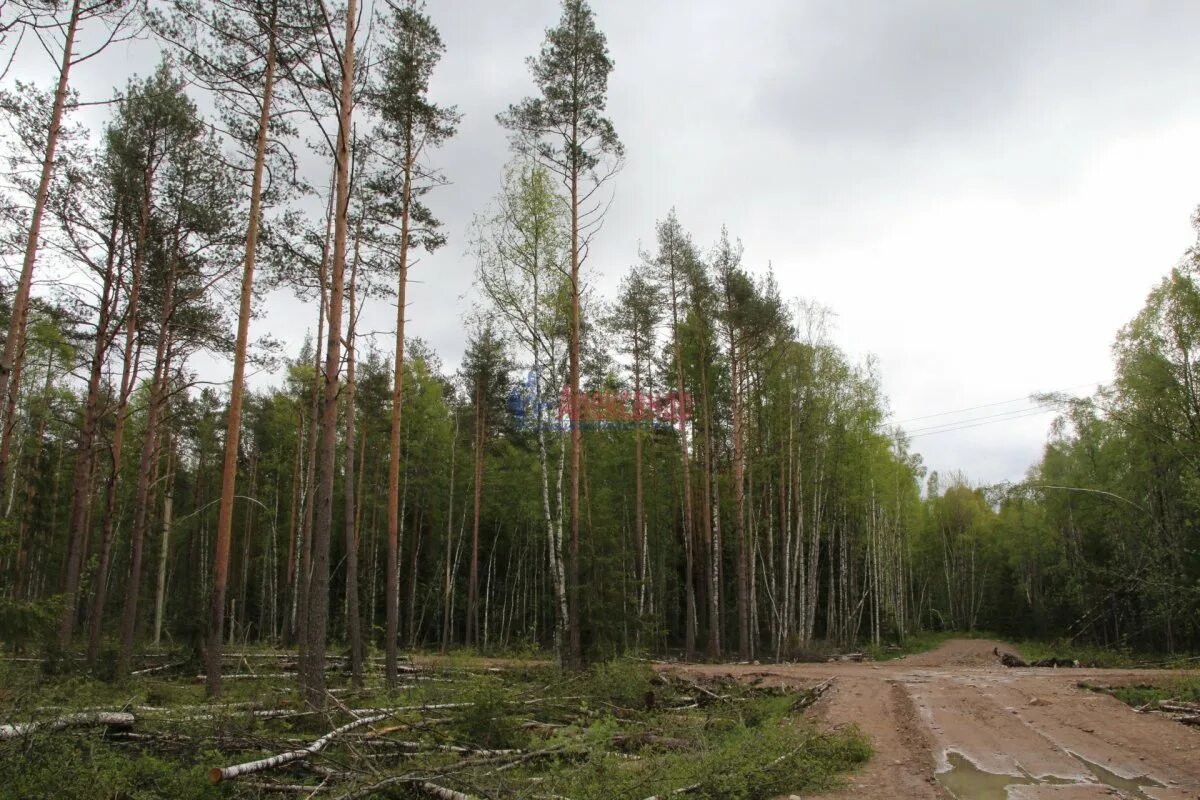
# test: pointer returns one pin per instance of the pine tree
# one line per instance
(184, 229)
(639, 310)
(226, 48)
(670, 266)
(565, 130)
(485, 373)
(118, 17)
(411, 125)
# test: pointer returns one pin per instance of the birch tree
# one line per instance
(523, 263)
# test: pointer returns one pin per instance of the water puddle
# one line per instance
(1129, 786)
(966, 781)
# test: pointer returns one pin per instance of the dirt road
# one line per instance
(954, 723)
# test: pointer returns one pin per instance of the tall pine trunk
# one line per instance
(745, 646)
(303, 553)
(20, 302)
(141, 504)
(472, 632)
(353, 625)
(689, 638)
(129, 368)
(574, 618)
(86, 459)
(160, 590)
(448, 584)
(392, 572)
(312, 672)
(233, 427)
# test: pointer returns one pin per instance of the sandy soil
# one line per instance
(956, 717)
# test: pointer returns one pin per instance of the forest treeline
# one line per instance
(690, 465)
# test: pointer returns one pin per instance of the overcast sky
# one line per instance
(983, 192)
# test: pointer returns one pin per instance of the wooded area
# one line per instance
(691, 466)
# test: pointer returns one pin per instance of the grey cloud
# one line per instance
(898, 74)
(822, 132)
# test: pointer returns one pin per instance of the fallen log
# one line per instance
(377, 787)
(218, 774)
(442, 792)
(288, 788)
(556, 750)
(812, 695)
(421, 784)
(418, 747)
(696, 686)
(402, 709)
(272, 713)
(1054, 663)
(108, 719)
(159, 668)
(675, 792)
(1180, 706)
(1011, 661)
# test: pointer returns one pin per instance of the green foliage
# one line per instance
(1137, 695)
(748, 745)
(492, 719)
(571, 73)
(1096, 550)
(26, 621)
(1088, 655)
(753, 762)
(618, 682)
(749, 750)
(83, 767)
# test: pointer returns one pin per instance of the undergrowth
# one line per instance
(1088, 655)
(1185, 688)
(616, 730)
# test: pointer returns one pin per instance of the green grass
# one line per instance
(1036, 649)
(1185, 688)
(616, 730)
(1104, 657)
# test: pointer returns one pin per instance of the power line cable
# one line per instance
(1033, 413)
(998, 417)
(984, 405)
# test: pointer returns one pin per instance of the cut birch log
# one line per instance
(159, 668)
(109, 719)
(1180, 706)
(417, 747)
(442, 792)
(218, 774)
(288, 788)
(681, 790)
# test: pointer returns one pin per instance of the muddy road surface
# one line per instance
(954, 724)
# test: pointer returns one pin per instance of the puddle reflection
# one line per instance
(966, 781)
